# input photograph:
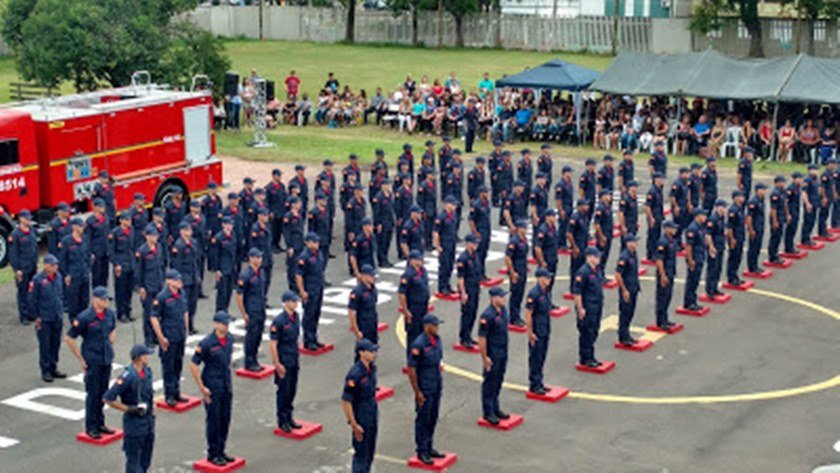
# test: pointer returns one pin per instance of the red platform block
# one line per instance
(681, 254)
(451, 297)
(704, 311)
(106, 439)
(517, 328)
(782, 264)
(666, 212)
(744, 286)
(648, 262)
(431, 308)
(676, 328)
(490, 282)
(564, 251)
(592, 243)
(265, 372)
(642, 271)
(568, 296)
(715, 300)
(606, 367)
(817, 246)
(560, 312)
(192, 402)
(512, 422)
(611, 284)
(439, 464)
(205, 466)
(325, 349)
(831, 238)
(554, 394)
(383, 392)
(308, 429)
(766, 274)
(462, 348)
(639, 346)
(532, 261)
(617, 234)
(834, 231)
(797, 255)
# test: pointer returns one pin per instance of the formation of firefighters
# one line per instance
(164, 256)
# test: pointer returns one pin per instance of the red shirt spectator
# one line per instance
(292, 84)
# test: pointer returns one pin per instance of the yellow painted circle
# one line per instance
(757, 396)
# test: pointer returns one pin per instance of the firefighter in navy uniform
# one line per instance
(363, 251)
(250, 299)
(427, 200)
(469, 276)
(716, 244)
(424, 373)
(104, 190)
(214, 382)
(544, 163)
(546, 244)
(658, 162)
(679, 203)
(479, 221)
(605, 179)
(285, 333)
(628, 212)
(626, 171)
(260, 238)
(666, 270)
(211, 209)
(358, 401)
(828, 195)
(121, 255)
(184, 258)
(411, 234)
(403, 201)
(201, 234)
(587, 186)
(139, 219)
(525, 169)
(538, 323)
(246, 194)
(132, 394)
(170, 320)
(709, 184)
(383, 220)
(695, 256)
(355, 210)
(779, 218)
(588, 289)
(59, 227)
(23, 256)
(793, 197)
(320, 223)
(97, 326)
(627, 277)
(97, 229)
(745, 169)
(361, 308)
(493, 161)
(577, 235)
(46, 310)
(149, 268)
(163, 232)
(564, 201)
(502, 177)
(493, 345)
(811, 204)
(475, 179)
(602, 223)
(515, 206)
(655, 212)
(455, 187)
(353, 168)
(299, 181)
(293, 225)
(516, 260)
(735, 236)
(275, 197)
(538, 200)
(74, 258)
(234, 212)
(413, 295)
(224, 263)
(175, 210)
(444, 240)
(309, 281)
(754, 222)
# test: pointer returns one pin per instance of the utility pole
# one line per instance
(261, 20)
(615, 27)
(440, 23)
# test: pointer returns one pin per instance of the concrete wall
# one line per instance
(670, 36)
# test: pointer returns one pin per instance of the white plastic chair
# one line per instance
(733, 140)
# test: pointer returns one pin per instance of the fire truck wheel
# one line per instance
(164, 193)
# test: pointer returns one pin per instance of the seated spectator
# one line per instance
(219, 114)
(376, 106)
(404, 116)
(629, 139)
(304, 109)
(599, 135)
(324, 105)
(787, 136)
(486, 86)
(437, 89)
(748, 135)
(699, 135)
(660, 130)
(828, 143)
(716, 137)
(808, 141)
(684, 134)
(486, 115)
(614, 135)
(766, 135)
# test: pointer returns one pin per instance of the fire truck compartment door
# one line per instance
(197, 134)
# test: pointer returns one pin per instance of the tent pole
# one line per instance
(577, 115)
(586, 113)
(679, 120)
(773, 127)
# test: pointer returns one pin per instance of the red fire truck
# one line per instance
(149, 138)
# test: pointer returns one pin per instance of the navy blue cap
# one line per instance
(221, 317)
(521, 223)
(737, 193)
(518, 183)
(813, 167)
(684, 170)
(779, 179)
(543, 273)
(366, 345)
(431, 319)
(227, 220)
(415, 254)
(545, 146)
(276, 172)
(497, 292)
(696, 166)
(415, 208)
(711, 159)
(525, 151)
(481, 188)
(151, 230)
(506, 152)
(100, 292)
(760, 185)
(76, 222)
(480, 160)
(831, 161)
(62, 206)
(796, 175)
(608, 158)
(450, 200)
(379, 152)
(497, 142)
(183, 226)
(591, 251)
(259, 191)
(254, 253)
(233, 195)
(471, 238)
(582, 202)
(456, 151)
(671, 224)
(367, 269)
(299, 167)
(540, 175)
(550, 212)
(293, 200)
(25, 213)
(289, 296)
(262, 211)
(660, 143)
(195, 204)
(104, 174)
(97, 202)
(627, 152)
(698, 212)
(367, 221)
(354, 156)
(386, 181)
(327, 162)
(157, 212)
(632, 184)
(50, 259)
(589, 162)
(430, 143)
(604, 192)
(720, 202)
(173, 274)
(211, 185)
(567, 169)
(658, 175)
(630, 237)
(312, 236)
(248, 180)
(139, 350)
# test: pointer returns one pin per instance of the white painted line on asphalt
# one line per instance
(6, 442)
(837, 446)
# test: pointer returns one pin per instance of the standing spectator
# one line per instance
(248, 94)
(292, 85)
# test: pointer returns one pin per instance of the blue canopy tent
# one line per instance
(554, 75)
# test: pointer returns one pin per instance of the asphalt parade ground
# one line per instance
(750, 387)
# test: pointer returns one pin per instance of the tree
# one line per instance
(709, 14)
(459, 9)
(811, 11)
(350, 34)
(413, 7)
(97, 42)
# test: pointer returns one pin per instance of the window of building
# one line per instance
(781, 30)
(819, 30)
(718, 33)
(743, 32)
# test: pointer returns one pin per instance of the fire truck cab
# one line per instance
(149, 138)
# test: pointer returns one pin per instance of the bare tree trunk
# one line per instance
(440, 23)
(812, 39)
(497, 7)
(554, 10)
(414, 13)
(350, 35)
(459, 31)
(261, 20)
(799, 26)
(756, 50)
(615, 27)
